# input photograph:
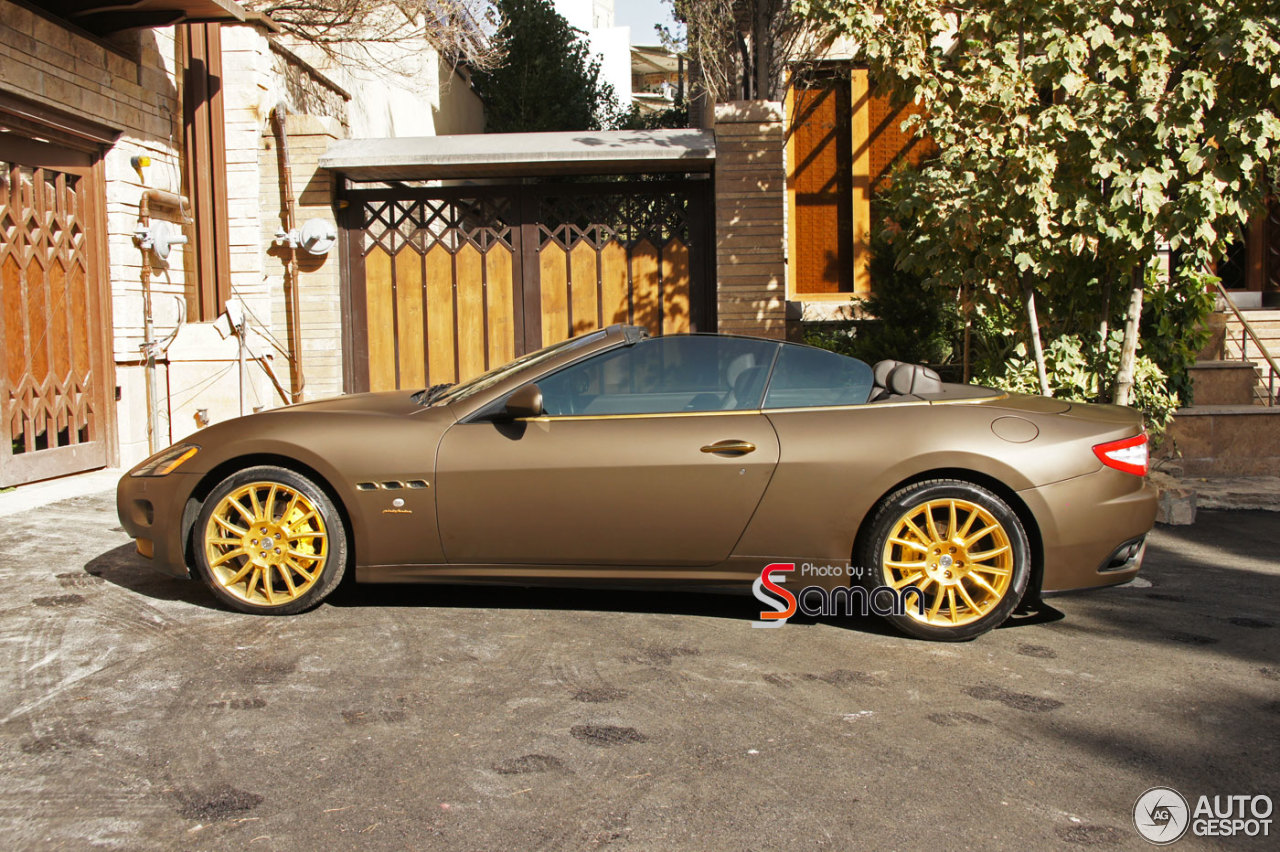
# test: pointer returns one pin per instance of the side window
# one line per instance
(806, 377)
(664, 375)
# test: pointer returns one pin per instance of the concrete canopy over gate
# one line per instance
(444, 282)
(519, 155)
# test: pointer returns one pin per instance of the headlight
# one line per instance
(167, 461)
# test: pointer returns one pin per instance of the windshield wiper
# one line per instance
(429, 395)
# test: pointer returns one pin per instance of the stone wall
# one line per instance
(256, 78)
(750, 223)
(319, 280)
(1225, 440)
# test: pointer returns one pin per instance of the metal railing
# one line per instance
(1247, 334)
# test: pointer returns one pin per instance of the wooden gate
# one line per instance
(444, 284)
(54, 414)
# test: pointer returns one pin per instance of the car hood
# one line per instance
(383, 402)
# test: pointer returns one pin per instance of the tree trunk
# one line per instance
(1104, 332)
(1029, 296)
(1129, 348)
(762, 46)
(744, 51)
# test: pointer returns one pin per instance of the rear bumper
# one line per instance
(1093, 528)
(151, 510)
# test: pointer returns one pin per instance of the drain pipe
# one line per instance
(296, 378)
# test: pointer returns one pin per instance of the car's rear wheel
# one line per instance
(956, 549)
(270, 541)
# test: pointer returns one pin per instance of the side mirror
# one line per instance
(526, 402)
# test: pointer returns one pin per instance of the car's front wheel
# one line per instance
(270, 541)
(956, 553)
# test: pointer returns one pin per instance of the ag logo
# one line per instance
(1161, 815)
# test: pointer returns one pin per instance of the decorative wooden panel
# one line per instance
(888, 144)
(52, 402)
(821, 182)
(446, 284)
(844, 140)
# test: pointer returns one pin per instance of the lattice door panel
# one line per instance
(51, 399)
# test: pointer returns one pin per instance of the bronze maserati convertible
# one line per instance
(617, 458)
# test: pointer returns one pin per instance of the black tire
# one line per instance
(993, 584)
(290, 510)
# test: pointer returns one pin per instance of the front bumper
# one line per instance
(151, 510)
(1089, 526)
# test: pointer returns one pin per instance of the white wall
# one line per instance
(613, 47)
(398, 90)
(610, 44)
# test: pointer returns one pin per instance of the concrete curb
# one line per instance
(33, 496)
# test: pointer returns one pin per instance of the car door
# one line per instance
(654, 453)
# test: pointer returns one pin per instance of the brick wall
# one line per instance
(750, 200)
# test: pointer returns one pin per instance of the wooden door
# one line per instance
(54, 375)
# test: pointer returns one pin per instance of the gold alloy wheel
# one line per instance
(957, 554)
(266, 544)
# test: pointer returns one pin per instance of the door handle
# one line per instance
(731, 448)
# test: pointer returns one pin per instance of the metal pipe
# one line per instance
(166, 199)
(296, 378)
(148, 344)
(240, 356)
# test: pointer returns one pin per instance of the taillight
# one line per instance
(1127, 454)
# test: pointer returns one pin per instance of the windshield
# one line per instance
(487, 380)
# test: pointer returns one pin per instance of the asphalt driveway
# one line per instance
(134, 713)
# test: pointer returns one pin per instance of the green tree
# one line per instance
(548, 79)
(1079, 139)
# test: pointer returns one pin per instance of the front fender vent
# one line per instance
(392, 485)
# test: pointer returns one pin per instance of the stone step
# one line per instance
(1225, 440)
(1267, 334)
(1223, 382)
(1264, 322)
